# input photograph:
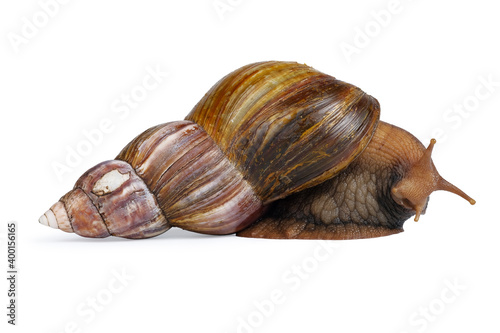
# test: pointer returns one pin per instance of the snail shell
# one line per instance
(265, 132)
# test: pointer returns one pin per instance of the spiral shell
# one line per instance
(261, 133)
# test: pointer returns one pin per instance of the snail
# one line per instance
(273, 150)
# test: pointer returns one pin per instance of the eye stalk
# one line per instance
(421, 180)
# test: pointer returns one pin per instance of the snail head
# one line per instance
(420, 181)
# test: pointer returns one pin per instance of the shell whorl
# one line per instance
(286, 126)
(195, 184)
(108, 199)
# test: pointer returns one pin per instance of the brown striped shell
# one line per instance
(261, 133)
(286, 126)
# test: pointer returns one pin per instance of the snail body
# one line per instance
(273, 150)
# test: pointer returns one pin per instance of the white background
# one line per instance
(423, 62)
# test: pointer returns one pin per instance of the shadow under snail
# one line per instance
(273, 150)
